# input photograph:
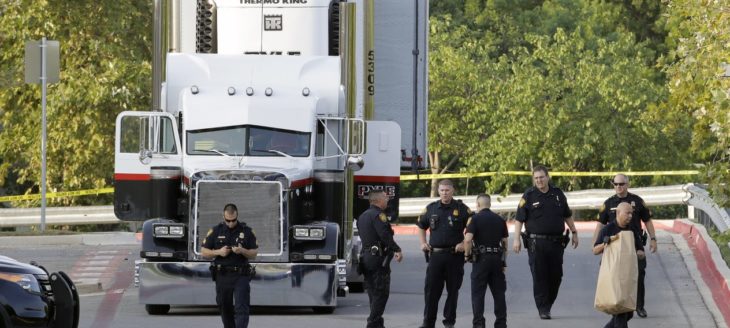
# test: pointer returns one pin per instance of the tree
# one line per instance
(562, 83)
(699, 99)
(105, 68)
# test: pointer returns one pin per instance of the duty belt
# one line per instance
(481, 249)
(556, 238)
(443, 249)
(232, 269)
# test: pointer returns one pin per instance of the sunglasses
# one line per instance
(619, 184)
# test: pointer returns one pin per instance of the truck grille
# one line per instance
(259, 205)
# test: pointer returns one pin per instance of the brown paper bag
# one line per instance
(618, 277)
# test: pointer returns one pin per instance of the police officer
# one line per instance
(607, 214)
(488, 231)
(544, 211)
(446, 219)
(623, 217)
(378, 250)
(232, 244)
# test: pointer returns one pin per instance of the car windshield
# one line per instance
(247, 140)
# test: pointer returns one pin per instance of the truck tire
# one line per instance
(157, 309)
(356, 287)
(323, 309)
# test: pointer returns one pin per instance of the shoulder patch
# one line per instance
(382, 217)
(522, 202)
(210, 232)
(468, 222)
(603, 208)
(425, 209)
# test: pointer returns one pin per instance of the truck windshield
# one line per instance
(249, 141)
(273, 142)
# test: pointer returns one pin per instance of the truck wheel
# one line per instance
(356, 287)
(324, 309)
(157, 309)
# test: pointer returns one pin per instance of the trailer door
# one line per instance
(146, 150)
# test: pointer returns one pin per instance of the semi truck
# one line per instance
(291, 109)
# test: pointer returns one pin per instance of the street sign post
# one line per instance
(42, 66)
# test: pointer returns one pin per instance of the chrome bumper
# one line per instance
(275, 284)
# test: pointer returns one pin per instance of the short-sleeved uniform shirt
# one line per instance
(221, 235)
(488, 228)
(607, 213)
(374, 228)
(544, 213)
(613, 228)
(446, 222)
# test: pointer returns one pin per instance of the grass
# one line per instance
(722, 240)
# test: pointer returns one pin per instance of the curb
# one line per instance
(709, 263)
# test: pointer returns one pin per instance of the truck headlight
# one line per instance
(316, 233)
(162, 230)
(301, 232)
(309, 233)
(26, 281)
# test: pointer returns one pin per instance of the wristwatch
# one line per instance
(653, 238)
(574, 232)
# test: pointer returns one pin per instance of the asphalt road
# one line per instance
(673, 297)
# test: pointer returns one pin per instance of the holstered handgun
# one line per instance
(644, 237)
(213, 271)
(360, 265)
(427, 255)
(566, 238)
(526, 241)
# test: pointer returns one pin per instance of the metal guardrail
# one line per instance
(13, 217)
(409, 207)
(689, 194)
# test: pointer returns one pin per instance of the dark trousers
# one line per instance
(620, 320)
(443, 268)
(641, 290)
(233, 296)
(377, 282)
(488, 272)
(546, 265)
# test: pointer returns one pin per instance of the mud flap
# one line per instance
(66, 301)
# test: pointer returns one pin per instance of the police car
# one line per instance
(31, 297)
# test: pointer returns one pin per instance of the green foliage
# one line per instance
(570, 84)
(105, 68)
(699, 99)
(723, 243)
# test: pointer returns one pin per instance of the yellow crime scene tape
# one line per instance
(407, 177)
(411, 177)
(60, 194)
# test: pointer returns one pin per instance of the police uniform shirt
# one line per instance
(450, 221)
(221, 236)
(607, 213)
(544, 213)
(374, 229)
(613, 229)
(488, 228)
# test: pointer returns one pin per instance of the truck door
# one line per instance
(382, 167)
(147, 165)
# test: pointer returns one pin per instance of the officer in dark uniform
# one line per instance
(232, 244)
(640, 214)
(378, 249)
(488, 231)
(621, 222)
(446, 219)
(544, 211)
